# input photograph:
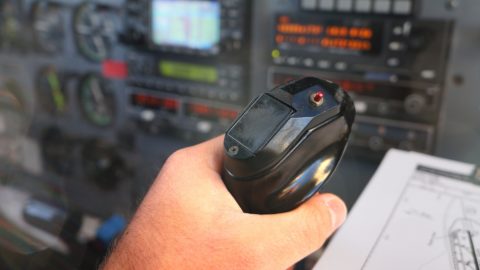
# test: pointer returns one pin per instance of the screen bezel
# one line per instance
(179, 49)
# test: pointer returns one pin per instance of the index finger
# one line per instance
(208, 154)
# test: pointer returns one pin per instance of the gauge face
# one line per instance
(51, 92)
(94, 30)
(103, 164)
(57, 149)
(9, 23)
(48, 26)
(12, 110)
(97, 101)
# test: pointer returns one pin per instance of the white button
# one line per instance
(393, 78)
(402, 7)
(360, 106)
(340, 66)
(393, 62)
(398, 30)
(326, 4)
(204, 126)
(323, 64)
(396, 46)
(279, 60)
(407, 28)
(308, 62)
(147, 115)
(309, 4)
(363, 6)
(292, 60)
(428, 74)
(344, 5)
(382, 6)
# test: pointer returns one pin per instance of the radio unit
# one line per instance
(373, 136)
(190, 27)
(405, 101)
(188, 118)
(385, 49)
(393, 66)
(192, 58)
(222, 82)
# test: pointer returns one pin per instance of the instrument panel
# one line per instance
(95, 95)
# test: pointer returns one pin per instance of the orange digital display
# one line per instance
(301, 33)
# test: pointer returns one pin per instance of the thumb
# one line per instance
(305, 229)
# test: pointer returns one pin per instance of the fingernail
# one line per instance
(338, 211)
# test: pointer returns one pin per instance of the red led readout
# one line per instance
(355, 86)
(151, 102)
(227, 114)
(207, 112)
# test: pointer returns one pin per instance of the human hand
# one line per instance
(189, 220)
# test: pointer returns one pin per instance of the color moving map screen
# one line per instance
(186, 24)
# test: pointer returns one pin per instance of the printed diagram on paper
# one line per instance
(435, 224)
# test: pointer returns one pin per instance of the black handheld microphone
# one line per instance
(286, 144)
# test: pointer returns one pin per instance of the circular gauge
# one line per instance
(48, 26)
(103, 164)
(97, 101)
(9, 23)
(12, 110)
(57, 149)
(94, 30)
(51, 93)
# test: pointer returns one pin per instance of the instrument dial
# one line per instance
(97, 101)
(103, 164)
(12, 110)
(51, 92)
(10, 26)
(57, 149)
(48, 26)
(94, 30)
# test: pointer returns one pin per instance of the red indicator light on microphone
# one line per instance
(317, 98)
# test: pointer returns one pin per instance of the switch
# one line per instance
(382, 6)
(309, 4)
(345, 5)
(326, 5)
(363, 6)
(317, 98)
(403, 7)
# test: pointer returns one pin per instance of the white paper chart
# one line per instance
(428, 220)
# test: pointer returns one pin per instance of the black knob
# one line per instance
(419, 39)
(103, 165)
